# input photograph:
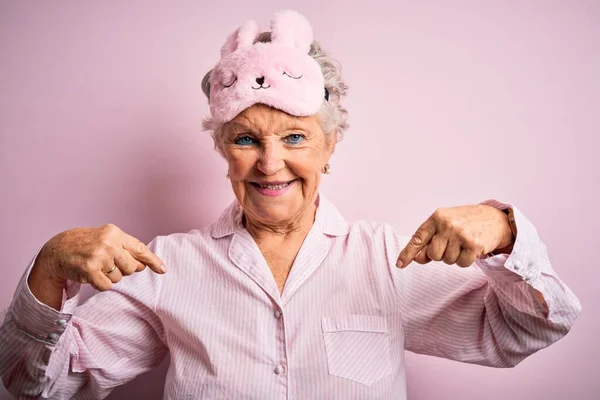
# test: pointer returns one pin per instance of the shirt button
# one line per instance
(279, 370)
(62, 322)
(277, 314)
(53, 336)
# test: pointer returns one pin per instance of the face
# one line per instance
(275, 163)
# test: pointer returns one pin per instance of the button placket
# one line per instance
(280, 369)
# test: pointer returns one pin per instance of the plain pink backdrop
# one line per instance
(451, 103)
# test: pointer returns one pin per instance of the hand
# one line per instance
(88, 255)
(458, 235)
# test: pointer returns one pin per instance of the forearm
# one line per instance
(31, 355)
(520, 319)
(479, 321)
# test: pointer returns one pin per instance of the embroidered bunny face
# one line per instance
(279, 74)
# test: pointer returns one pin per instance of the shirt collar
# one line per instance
(328, 220)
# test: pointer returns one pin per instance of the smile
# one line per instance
(261, 87)
(272, 188)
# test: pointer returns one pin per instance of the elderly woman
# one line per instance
(281, 297)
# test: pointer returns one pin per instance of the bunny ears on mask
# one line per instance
(279, 74)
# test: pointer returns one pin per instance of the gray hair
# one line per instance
(332, 116)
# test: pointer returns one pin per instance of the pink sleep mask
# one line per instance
(279, 74)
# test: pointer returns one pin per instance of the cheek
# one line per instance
(240, 163)
(311, 162)
(306, 167)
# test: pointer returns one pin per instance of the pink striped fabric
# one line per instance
(339, 329)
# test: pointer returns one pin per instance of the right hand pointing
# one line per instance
(98, 256)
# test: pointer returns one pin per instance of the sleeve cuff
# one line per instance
(38, 320)
(520, 264)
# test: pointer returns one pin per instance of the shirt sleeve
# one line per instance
(82, 350)
(494, 313)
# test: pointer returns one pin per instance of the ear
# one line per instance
(243, 37)
(292, 29)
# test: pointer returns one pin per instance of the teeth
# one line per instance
(274, 187)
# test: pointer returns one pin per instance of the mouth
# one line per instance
(279, 185)
(272, 189)
(261, 87)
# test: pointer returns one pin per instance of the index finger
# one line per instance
(142, 253)
(417, 242)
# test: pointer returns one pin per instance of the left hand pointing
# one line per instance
(458, 235)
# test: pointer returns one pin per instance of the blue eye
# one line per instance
(295, 138)
(244, 141)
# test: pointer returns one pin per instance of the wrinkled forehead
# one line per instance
(262, 119)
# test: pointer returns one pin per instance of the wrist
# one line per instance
(45, 269)
(510, 236)
(44, 286)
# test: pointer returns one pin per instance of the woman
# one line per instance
(281, 297)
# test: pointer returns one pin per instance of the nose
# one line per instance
(271, 160)
(260, 80)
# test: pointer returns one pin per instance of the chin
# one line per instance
(274, 212)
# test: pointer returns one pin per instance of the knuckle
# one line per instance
(439, 214)
(110, 228)
(454, 226)
(476, 244)
(127, 270)
(89, 267)
(106, 239)
(105, 242)
(139, 248)
(108, 233)
(417, 240)
(463, 233)
(98, 253)
(434, 255)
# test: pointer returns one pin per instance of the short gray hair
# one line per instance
(332, 116)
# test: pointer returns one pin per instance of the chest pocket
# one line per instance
(358, 347)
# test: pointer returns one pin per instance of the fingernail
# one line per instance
(399, 264)
(163, 268)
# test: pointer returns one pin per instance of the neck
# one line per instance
(281, 231)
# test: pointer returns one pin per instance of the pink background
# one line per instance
(451, 103)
